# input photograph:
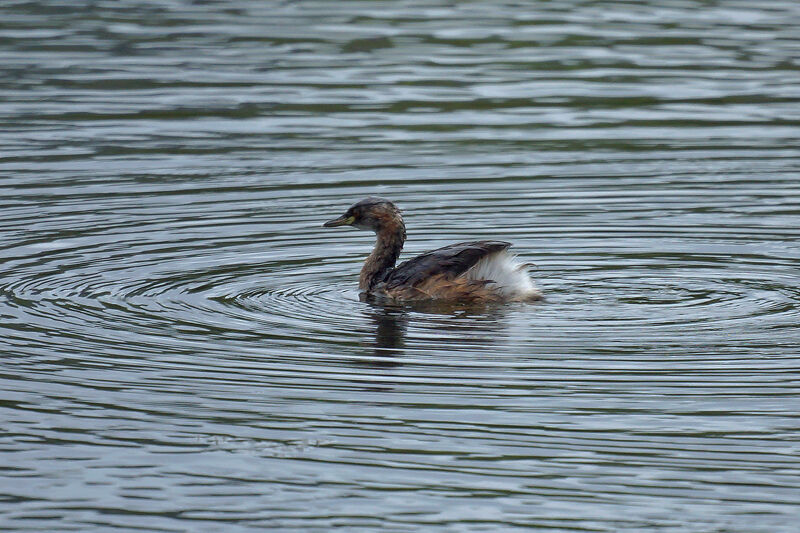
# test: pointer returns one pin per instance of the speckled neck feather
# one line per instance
(391, 236)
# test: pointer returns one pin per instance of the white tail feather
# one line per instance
(510, 278)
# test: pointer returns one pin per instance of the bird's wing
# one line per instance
(450, 261)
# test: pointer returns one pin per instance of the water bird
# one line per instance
(476, 271)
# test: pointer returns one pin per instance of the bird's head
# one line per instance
(371, 213)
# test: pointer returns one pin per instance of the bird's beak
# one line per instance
(341, 221)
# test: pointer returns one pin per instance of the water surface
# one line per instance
(184, 347)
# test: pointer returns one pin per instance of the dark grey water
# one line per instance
(183, 346)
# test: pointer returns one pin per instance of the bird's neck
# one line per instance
(381, 261)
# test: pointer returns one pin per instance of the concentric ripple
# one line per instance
(185, 348)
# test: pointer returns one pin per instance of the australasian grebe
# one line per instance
(469, 271)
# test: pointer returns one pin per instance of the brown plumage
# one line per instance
(444, 287)
(455, 272)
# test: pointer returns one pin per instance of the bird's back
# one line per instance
(450, 261)
(459, 272)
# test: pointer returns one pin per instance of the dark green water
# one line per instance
(184, 348)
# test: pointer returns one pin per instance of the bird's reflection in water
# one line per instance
(456, 326)
(390, 323)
